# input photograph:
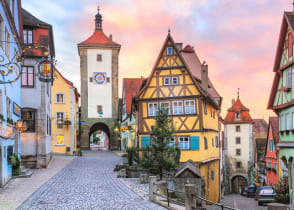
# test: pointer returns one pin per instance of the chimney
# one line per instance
(233, 102)
(179, 46)
(110, 36)
(204, 76)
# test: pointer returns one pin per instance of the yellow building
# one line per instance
(64, 100)
(179, 83)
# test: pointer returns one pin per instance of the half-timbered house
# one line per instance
(180, 84)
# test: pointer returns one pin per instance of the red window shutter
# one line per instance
(290, 38)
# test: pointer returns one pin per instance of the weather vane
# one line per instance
(238, 93)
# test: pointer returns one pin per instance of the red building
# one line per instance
(271, 160)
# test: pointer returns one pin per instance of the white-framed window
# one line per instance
(190, 107)
(59, 139)
(178, 107)
(175, 80)
(184, 142)
(165, 106)
(287, 121)
(169, 51)
(269, 164)
(172, 141)
(238, 115)
(282, 123)
(59, 98)
(152, 109)
(28, 36)
(59, 117)
(288, 78)
(166, 80)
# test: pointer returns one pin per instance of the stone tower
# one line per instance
(99, 84)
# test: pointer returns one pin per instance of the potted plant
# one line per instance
(14, 161)
(10, 122)
(67, 122)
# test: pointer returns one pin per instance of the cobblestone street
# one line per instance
(88, 182)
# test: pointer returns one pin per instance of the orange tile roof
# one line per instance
(244, 113)
(99, 38)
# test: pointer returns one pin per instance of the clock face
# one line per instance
(99, 78)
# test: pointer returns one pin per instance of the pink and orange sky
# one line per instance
(237, 38)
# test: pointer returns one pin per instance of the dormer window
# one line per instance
(27, 36)
(238, 116)
(169, 51)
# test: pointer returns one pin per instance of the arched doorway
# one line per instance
(237, 183)
(99, 137)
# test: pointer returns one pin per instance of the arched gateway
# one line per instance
(99, 85)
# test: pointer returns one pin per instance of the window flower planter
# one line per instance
(67, 122)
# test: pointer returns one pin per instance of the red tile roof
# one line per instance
(131, 87)
(99, 38)
(259, 126)
(238, 107)
(274, 122)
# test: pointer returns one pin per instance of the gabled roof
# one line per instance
(29, 20)
(98, 38)
(288, 20)
(196, 83)
(274, 123)
(131, 87)
(190, 166)
(77, 95)
(244, 113)
(259, 126)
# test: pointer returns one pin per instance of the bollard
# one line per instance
(189, 198)
(152, 188)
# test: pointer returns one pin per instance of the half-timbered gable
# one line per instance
(179, 83)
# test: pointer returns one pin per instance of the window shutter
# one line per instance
(194, 143)
(91, 79)
(145, 141)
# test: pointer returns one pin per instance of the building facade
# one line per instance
(36, 145)
(239, 160)
(99, 85)
(282, 99)
(65, 104)
(180, 84)
(128, 137)
(271, 155)
(10, 99)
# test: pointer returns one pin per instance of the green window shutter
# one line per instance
(194, 143)
(145, 141)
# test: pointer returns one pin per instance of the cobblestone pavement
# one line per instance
(134, 184)
(88, 182)
(239, 202)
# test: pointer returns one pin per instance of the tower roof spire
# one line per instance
(238, 93)
(98, 20)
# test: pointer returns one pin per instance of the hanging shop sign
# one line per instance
(16, 109)
(99, 78)
(6, 133)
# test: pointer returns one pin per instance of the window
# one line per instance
(293, 120)
(165, 106)
(212, 175)
(205, 143)
(178, 107)
(59, 118)
(90, 79)
(59, 98)
(27, 77)
(216, 141)
(238, 140)
(288, 79)
(238, 164)
(212, 141)
(275, 166)
(166, 81)
(28, 117)
(282, 123)
(100, 109)
(108, 79)
(27, 36)
(204, 107)
(8, 107)
(59, 139)
(238, 116)
(238, 128)
(287, 121)
(271, 145)
(175, 80)
(190, 107)
(238, 152)
(169, 51)
(184, 142)
(99, 57)
(172, 142)
(152, 109)
(269, 164)
(7, 43)
(1, 32)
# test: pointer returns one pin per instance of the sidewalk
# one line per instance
(18, 190)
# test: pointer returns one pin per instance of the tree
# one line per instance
(161, 156)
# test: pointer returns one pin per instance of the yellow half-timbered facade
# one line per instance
(180, 84)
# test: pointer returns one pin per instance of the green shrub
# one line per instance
(14, 161)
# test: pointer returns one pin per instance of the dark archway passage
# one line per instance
(238, 182)
(99, 137)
